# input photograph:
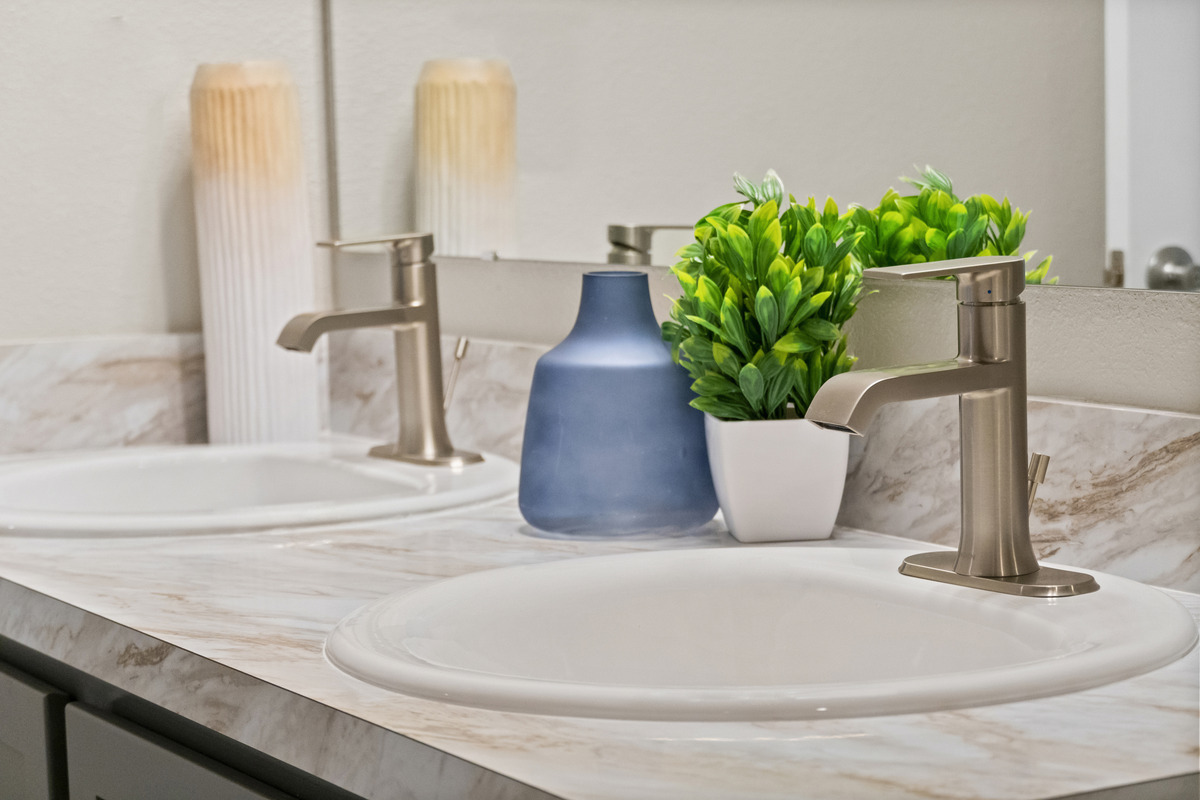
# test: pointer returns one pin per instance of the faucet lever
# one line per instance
(983, 279)
(631, 243)
(1037, 475)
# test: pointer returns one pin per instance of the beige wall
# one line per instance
(95, 194)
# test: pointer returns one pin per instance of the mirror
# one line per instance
(639, 113)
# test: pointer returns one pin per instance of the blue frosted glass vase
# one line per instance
(611, 444)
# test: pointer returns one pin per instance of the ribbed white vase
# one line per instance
(256, 252)
(466, 155)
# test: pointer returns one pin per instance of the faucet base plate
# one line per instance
(456, 458)
(1042, 582)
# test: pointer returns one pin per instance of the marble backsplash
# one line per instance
(77, 394)
(1122, 493)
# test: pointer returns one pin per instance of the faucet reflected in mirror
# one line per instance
(413, 317)
(988, 375)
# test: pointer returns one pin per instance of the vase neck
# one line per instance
(615, 301)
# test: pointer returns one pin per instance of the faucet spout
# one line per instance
(848, 402)
(303, 330)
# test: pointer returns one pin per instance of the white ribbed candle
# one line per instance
(466, 155)
(256, 252)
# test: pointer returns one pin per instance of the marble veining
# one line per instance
(243, 618)
(101, 392)
(1120, 495)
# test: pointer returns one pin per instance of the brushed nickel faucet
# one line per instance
(631, 243)
(994, 552)
(413, 316)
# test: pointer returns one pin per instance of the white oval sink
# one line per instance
(215, 488)
(751, 634)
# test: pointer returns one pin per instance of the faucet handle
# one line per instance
(408, 248)
(983, 279)
(1037, 475)
(631, 243)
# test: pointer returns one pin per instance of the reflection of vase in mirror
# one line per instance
(466, 156)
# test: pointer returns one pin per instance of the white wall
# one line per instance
(633, 111)
(95, 194)
(1153, 66)
(624, 115)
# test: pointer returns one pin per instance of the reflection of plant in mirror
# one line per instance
(935, 225)
(766, 291)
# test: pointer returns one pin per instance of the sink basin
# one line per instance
(749, 634)
(215, 488)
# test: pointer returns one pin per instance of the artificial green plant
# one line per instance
(766, 291)
(935, 225)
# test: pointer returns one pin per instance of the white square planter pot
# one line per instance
(777, 480)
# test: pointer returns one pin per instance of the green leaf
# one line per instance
(938, 180)
(813, 278)
(778, 275)
(789, 299)
(817, 246)
(750, 380)
(843, 249)
(762, 216)
(687, 282)
(1011, 241)
(732, 329)
(708, 294)
(744, 187)
(778, 388)
(766, 311)
(698, 349)
(816, 373)
(956, 216)
(809, 307)
(726, 361)
(900, 245)
(889, 225)
(821, 330)
(713, 384)
(723, 409)
(829, 215)
(771, 188)
(767, 248)
(800, 383)
(738, 243)
(795, 341)
(935, 239)
(956, 245)
(1039, 274)
(705, 324)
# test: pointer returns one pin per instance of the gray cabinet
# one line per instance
(111, 759)
(32, 762)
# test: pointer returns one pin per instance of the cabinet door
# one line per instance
(32, 762)
(111, 759)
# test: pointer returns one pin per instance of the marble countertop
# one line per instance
(227, 630)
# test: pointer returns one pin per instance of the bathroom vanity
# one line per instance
(199, 659)
(202, 654)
